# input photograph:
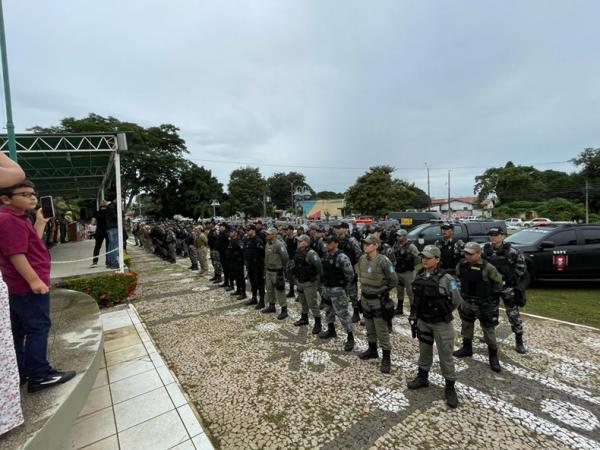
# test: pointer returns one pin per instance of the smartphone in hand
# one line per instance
(47, 206)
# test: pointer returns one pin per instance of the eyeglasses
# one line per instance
(25, 194)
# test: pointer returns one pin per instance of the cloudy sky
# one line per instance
(327, 88)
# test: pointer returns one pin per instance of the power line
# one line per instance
(297, 166)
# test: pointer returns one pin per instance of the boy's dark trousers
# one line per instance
(30, 320)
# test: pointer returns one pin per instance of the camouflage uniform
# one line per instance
(351, 248)
(306, 269)
(171, 242)
(335, 265)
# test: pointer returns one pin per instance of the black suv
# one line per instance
(428, 233)
(561, 252)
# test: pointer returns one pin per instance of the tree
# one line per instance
(280, 187)
(509, 183)
(376, 193)
(247, 188)
(329, 195)
(590, 160)
(154, 158)
(561, 209)
(189, 196)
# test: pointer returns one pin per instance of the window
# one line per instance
(563, 238)
(591, 236)
(432, 231)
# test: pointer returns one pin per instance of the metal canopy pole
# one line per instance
(121, 146)
(10, 126)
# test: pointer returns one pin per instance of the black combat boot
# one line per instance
(519, 347)
(450, 394)
(420, 381)
(494, 363)
(283, 314)
(349, 345)
(217, 279)
(330, 333)
(269, 309)
(252, 301)
(465, 350)
(241, 295)
(386, 363)
(213, 278)
(291, 293)
(317, 326)
(229, 288)
(260, 304)
(225, 284)
(355, 315)
(302, 321)
(235, 292)
(370, 353)
(399, 309)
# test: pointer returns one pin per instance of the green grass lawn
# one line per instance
(580, 306)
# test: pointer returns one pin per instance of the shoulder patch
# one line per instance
(453, 284)
(391, 268)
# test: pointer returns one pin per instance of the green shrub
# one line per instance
(107, 289)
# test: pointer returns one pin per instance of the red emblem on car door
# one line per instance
(560, 259)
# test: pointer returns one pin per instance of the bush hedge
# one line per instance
(106, 289)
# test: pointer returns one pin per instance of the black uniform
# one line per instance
(254, 254)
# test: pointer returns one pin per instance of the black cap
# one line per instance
(345, 225)
(332, 238)
(252, 227)
(447, 226)
(495, 230)
(337, 225)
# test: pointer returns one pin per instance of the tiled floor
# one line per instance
(136, 402)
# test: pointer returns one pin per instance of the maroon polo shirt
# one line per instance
(18, 236)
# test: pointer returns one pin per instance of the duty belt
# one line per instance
(274, 270)
(370, 296)
(473, 300)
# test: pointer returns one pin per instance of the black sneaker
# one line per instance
(53, 378)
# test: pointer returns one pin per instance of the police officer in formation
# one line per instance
(307, 270)
(338, 279)
(436, 295)
(236, 263)
(276, 259)
(215, 256)
(350, 246)
(480, 287)
(406, 256)
(291, 244)
(511, 264)
(254, 255)
(450, 248)
(377, 276)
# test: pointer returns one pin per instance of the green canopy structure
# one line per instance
(72, 165)
(67, 165)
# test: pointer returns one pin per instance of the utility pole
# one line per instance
(449, 208)
(587, 202)
(10, 126)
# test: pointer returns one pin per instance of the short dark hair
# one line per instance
(9, 190)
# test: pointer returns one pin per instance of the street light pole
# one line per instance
(10, 126)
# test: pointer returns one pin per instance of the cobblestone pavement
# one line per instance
(262, 383)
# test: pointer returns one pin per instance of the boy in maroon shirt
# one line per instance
(25, 265)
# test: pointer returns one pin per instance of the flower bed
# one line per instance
(106, 289)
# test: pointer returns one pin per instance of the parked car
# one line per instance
(428, 233)
(513, 222)
(561, 252)
(408, 220)
(538, 221)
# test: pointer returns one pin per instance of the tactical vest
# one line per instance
(272, 258)
(332, 275)
(405, 262)
(303, 270)
(371, 273)
(432, 306)
(499, 259)
(448, 258)
(347, 249)
(472, 284)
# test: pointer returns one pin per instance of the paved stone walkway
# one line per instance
(262, 383)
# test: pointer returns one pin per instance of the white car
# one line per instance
(513, 222)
